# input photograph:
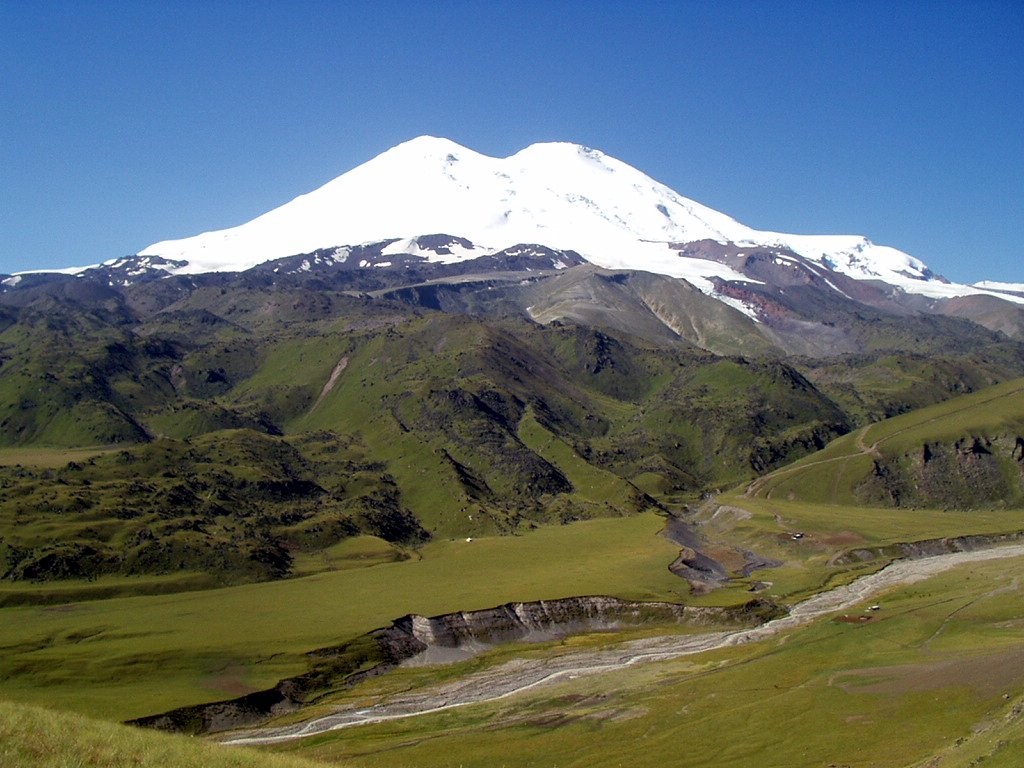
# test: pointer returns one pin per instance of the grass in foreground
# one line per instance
(936, 674)
(31, 737)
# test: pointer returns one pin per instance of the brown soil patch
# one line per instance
(986, 674)
(66, 608)
(230, 682)
(859, 719)
(729, 558)
(844, 539)
(547, 720)
(559, 718)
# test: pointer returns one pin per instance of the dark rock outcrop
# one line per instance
(927, 547)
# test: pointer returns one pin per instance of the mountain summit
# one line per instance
(561, 195)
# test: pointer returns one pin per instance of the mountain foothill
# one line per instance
(441, 344)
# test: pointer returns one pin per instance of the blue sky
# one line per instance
(127, 123)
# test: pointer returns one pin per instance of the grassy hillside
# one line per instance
(236, 505)
(31, 737)
(963, 453)
(872, 387)
(269, 439)
(203, 480)
(244, 429)
(124, 657)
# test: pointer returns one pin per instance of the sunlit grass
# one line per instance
(127, 657)
(50, 458)
(936, 670)
(831, 476)
(31, 737)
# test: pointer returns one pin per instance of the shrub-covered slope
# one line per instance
(256, 418)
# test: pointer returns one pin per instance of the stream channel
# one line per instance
(519, 675)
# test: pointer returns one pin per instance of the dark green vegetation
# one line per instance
(175, 650)
(234, 504)
(250, 422)
(815, 697)
(875, 387)
(203, 480)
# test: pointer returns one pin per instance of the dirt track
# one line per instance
(757, 486)
(521, 674)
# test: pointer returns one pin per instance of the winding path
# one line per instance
(765, 483)
(523, 674)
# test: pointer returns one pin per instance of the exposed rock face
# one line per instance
(418, 639)
(971, 472)
(703, 572)
(928, 547)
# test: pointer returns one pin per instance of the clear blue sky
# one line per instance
(122, 124)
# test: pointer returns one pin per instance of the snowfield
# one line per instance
(561, 195)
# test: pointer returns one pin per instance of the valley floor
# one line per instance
(520, 675)
(933, 679)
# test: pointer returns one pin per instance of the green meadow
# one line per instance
(31, 737)
(827, 533)
(933, 678)
(49, 458)
(126, 657)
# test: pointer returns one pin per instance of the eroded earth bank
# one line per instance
(522, 674)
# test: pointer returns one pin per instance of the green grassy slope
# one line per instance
(871, 387)
(263, 433)
(396, 421)
(447, 424)
(430, 402)
(965, 452)
(31, 737)
(237, 505)
(126, 657)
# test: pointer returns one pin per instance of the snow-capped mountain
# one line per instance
(561, 195)
(431, 201)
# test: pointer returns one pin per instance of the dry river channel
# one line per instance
(520, 675)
